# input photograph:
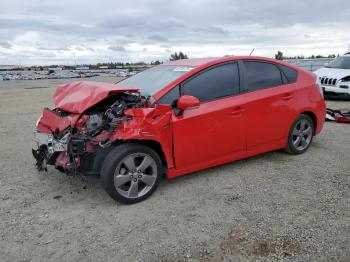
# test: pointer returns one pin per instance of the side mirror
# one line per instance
(187, 102)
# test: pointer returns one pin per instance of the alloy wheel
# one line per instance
(135, 175)
(302, 134)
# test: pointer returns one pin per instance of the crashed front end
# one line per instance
(48, 149)
(76, 135)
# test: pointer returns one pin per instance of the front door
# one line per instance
(216, 129)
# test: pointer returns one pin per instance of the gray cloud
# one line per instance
(57, 31)
(117, 48)
(5, 44)
(158, 38)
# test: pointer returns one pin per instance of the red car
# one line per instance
(178, 118)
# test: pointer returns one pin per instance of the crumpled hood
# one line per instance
(332, 73)
(79, 96)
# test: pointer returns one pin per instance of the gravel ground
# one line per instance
(273, 207)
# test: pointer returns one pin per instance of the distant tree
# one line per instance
(139, 63)
(279, 55)
(182, 55)
(178, 56)
(155, 62)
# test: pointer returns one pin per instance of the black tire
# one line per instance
(113, 161)
(291, 148)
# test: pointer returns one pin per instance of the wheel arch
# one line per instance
(94, 162)
(153, 144)
(313, 117)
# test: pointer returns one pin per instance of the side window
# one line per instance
(219, 81)
(169, 97)
(290, 73)
(260, 75)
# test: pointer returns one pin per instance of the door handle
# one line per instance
(287, 97)
(237, 112)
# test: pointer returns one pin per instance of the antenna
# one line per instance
(251, 52)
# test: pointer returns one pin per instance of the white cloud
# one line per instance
(33, 32)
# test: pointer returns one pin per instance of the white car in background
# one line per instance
(334, 78)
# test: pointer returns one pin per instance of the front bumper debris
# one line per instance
(40, 156)
(47, 149)
(53, 145)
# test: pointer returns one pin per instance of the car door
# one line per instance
(269, 102)
(216, 128)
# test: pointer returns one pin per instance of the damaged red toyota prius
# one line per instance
(178, 118)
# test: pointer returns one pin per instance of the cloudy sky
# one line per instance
(82, 31)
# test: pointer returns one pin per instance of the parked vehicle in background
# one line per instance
(178, 118)
(334, 78)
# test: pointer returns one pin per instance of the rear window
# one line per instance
(289, 73)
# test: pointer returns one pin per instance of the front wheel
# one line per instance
(131, 172)
(300, 135)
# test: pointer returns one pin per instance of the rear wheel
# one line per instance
(300, 135)
(131, 172)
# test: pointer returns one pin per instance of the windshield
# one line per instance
(342, 62)
(152, 80)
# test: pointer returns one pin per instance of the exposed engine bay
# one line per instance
(69, 144)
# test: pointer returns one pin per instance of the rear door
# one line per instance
(216, 128)
(269, 102)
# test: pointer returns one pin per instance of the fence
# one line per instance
(309, 64)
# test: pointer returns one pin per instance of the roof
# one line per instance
(192, 61)
(196, 62)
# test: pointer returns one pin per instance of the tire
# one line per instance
(300, 135)
(131, 172)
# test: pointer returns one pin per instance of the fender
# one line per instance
(149, 124)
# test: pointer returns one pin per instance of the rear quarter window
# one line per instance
(289, 73)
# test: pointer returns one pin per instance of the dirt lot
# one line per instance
(268, 208)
